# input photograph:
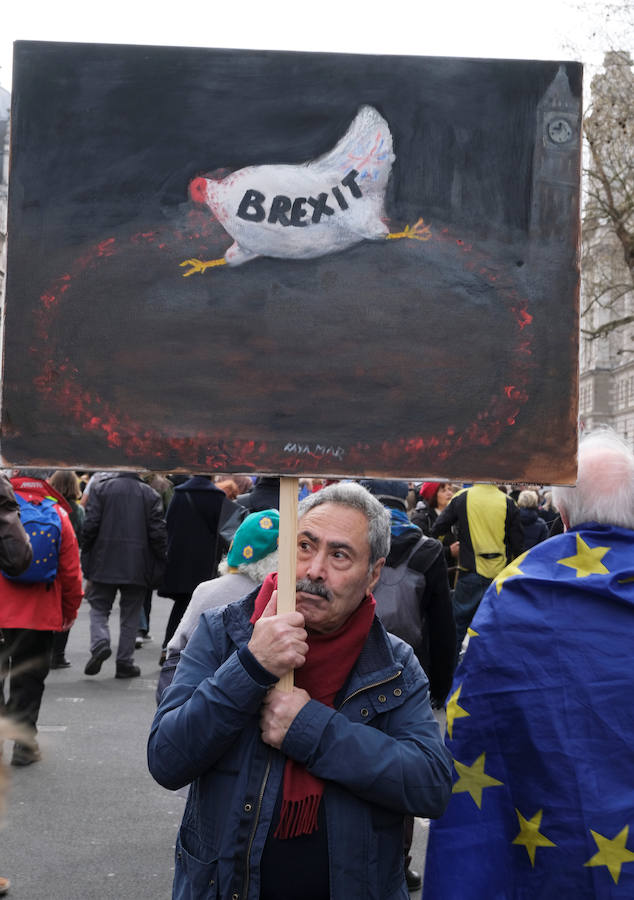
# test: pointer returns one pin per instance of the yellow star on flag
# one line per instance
(530, 836)
(587, 560)
(473, 633)
(454, 711)
(612, 853)
(473, 779)
(512, 569)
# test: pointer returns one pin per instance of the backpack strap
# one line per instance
(424, 554)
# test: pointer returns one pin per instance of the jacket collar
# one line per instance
(37, 488)
(199, 482)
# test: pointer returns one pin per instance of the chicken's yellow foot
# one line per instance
(200, 265)
(418, 232)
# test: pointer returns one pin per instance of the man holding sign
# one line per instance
(302, 793)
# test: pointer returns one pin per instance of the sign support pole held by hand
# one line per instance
(286, 575)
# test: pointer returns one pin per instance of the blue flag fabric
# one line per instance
(540, 724)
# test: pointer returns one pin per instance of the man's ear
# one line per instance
(375, 574)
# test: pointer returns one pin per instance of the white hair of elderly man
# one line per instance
(604, 492)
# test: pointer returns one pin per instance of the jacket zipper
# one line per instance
(255, 824)
(368, 687)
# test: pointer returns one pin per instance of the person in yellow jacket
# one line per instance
(490, 534)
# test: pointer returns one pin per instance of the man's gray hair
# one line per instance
(356, 497)
(605, 482)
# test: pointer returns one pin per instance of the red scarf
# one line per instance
(328, 663)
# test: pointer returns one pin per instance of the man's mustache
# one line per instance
(306, 586)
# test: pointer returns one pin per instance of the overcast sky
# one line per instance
(539, 29)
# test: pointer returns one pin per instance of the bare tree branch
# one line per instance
(608, 223)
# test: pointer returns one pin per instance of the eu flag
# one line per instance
(540, 724)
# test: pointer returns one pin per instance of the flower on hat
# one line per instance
(266, 523)
(247, 552)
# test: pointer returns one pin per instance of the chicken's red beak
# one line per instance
(198, 189)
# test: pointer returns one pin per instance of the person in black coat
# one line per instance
(535, 529)
(193, 519)
(435, 496)
(413, 601)
(124, 541)
(265, 495)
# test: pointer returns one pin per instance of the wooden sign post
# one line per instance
(286, 577)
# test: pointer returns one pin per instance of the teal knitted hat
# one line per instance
(256, 537)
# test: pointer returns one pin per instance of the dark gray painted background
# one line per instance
(387, 343)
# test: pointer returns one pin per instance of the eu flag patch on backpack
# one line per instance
(43, 527)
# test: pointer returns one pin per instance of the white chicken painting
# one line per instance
(309, 209)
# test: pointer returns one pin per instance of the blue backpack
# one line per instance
(43, 527)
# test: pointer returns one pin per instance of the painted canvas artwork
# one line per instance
(292, 263)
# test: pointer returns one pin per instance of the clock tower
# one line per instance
(556, 161)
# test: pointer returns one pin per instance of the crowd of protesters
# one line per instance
(131, 534)
(201, 541)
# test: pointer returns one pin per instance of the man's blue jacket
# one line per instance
(379, 752)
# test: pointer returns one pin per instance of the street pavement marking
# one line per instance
(142, 684)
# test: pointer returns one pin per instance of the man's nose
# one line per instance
(317, 568)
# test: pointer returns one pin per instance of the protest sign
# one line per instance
(292, 263)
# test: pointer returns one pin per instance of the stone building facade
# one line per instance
(606, 385)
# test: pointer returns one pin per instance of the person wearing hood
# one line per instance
(413, 602)
(432, 633)
(265, 495)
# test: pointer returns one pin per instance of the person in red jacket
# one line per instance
(30, 615)
(15, 557)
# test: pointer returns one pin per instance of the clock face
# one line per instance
(559, 131)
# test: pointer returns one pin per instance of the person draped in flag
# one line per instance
(302, 793)
(540, 721)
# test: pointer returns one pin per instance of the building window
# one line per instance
(585, 397)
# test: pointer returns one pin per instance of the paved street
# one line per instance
(88, 821)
